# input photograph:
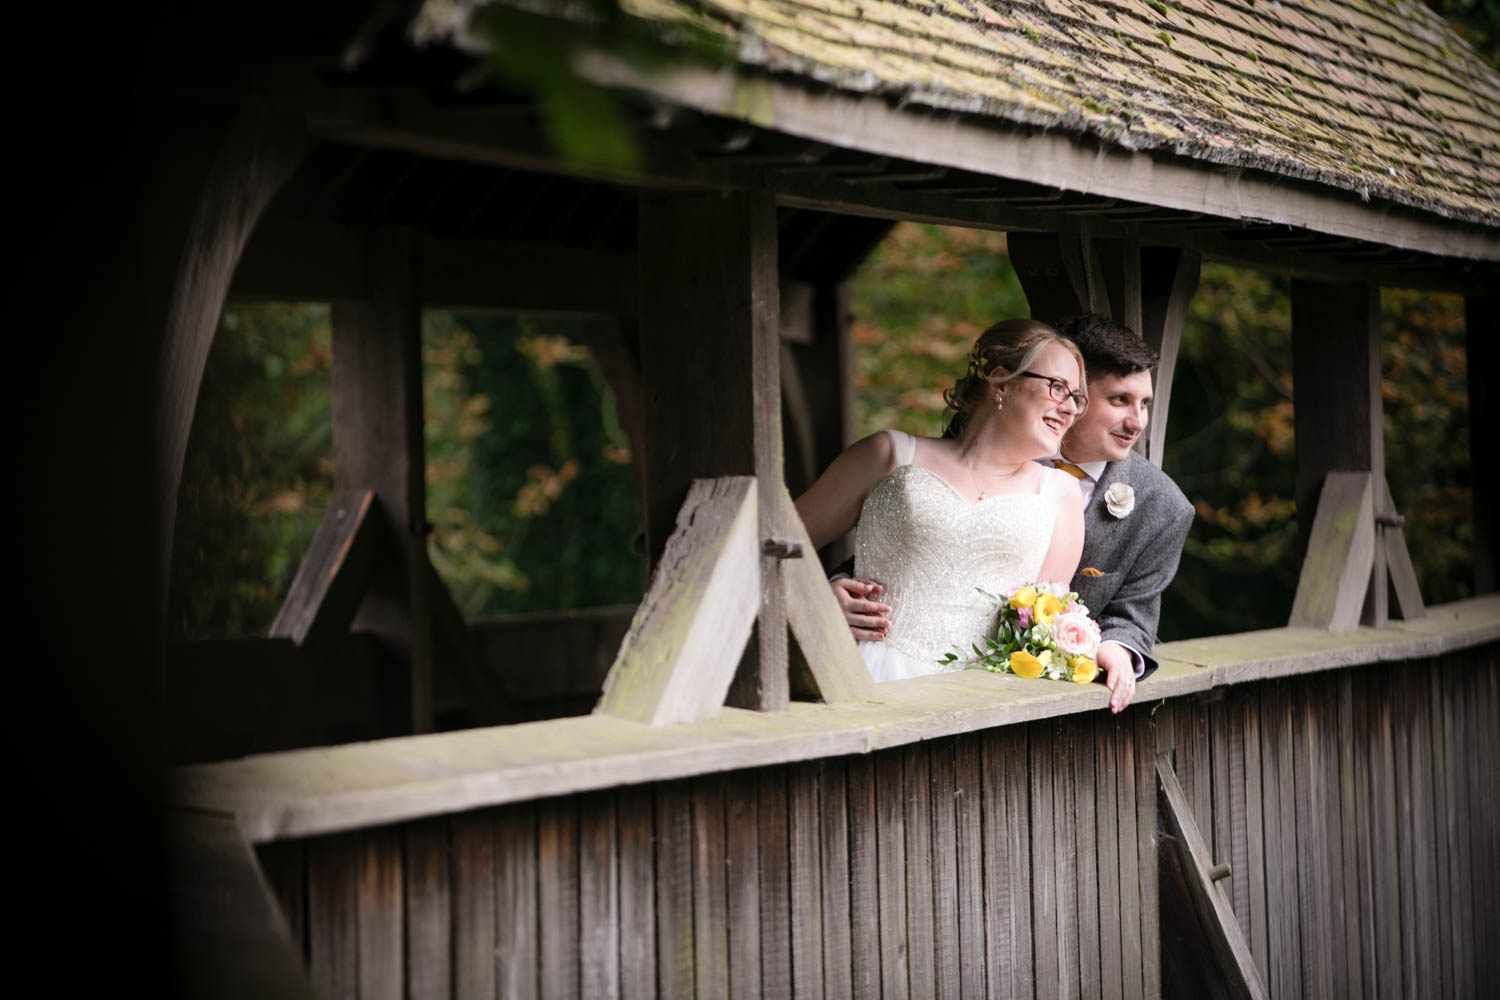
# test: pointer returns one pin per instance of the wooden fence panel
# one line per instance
(1358, 814)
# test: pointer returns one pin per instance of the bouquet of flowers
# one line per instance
(1042, 630)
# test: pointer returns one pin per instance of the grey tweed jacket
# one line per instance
(1137, 555)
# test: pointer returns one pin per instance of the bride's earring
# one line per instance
(999, 401)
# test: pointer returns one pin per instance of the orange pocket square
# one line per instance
(1090, 571)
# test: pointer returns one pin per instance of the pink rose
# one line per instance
(1075, 634)
(1023, 617)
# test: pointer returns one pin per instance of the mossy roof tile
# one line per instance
(1373, 96)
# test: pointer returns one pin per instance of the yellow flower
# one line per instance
(1084, 669)
(1023, 598)
(1023, 664)
(1047, 608)
(1045, 656)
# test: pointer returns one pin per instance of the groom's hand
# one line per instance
(1116, 661)
(866, 617)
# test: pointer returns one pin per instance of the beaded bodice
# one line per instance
(930, 549)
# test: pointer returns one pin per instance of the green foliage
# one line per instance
(919, 302)
(529, 486)
(258, 473)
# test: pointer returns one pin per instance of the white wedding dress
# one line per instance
(930, 549)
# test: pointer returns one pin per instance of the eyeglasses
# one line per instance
(1061, 391)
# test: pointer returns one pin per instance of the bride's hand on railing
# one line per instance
(1121, 675)
(867, 618)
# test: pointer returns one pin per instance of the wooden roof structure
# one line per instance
(317, 154)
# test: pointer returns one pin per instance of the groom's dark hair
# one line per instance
(1108, 348)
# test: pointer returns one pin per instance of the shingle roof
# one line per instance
(1376, 97)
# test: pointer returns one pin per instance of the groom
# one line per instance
(1135, 518)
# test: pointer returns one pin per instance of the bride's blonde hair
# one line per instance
(1012, 344)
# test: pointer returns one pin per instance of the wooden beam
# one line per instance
(1169, 277)
(1051, 276)
(1235, 964)
(678, 659)
(1340, 555)
(1335, 387)
(710, 372)
(331, 581)
(290, 259)
(378, 445)
(826, 653)
(231, 940)
(1398, 561)
(1482, 341)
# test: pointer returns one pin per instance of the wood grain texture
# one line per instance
(1257, 870)
(332, 576)
(600, 925)
(833, 844)
(1149, 743)
(517, 951)
(636, 824)
(1008, 877)
(428, 920)
(674, 890)
(969, 798)
(1108, 841)
(710, 892)
(382, 972)
(1169, 277)
(332, 907)
(477, 912)
(1127, 816)
(920, 925)
(890, 879)
(1046, 908)
(1083, 760)
(1340, 553)
(866, 898)
(947, 958)
(558, 958)
(742, 883)
(775, 881)
(678, 659)
(804, 858)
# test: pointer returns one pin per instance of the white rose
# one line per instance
(1076, 634)
(1120, 499)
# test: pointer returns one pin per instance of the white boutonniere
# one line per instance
(1120, 499)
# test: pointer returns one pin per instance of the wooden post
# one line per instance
(1482, 316)
(825, 378)
(378, 445)
(710, 374)
(1336, 393)
(1169, 277)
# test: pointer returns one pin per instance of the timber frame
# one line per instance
(334, 163)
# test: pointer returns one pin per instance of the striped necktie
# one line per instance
(1070, 469)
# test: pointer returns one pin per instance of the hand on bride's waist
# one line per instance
(867, 618)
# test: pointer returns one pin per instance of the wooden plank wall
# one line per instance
(1356, 809)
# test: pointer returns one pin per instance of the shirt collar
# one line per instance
(1094, 470)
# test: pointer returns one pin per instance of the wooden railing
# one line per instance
(959, 835)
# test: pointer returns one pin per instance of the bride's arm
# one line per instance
(1067, 539)
(831, 505)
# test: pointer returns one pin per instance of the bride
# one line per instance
(939, 519)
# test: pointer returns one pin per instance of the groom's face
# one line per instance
(1117, 415)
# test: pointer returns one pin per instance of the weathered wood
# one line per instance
(381, 971)
(969, 794)
(378, 445)
(833, 827)
(332, 928)
(1398, 564)
(233, 940)
(1456, 829)
(1008, 877)
(921, 943)
(865, 886)
(775, 904)
(1046, 908)
(284, 867)
(678, 659)
(637, 829)
(428, 920)
(1082, 760)
(708, 263)
(1109, 844)
(1132, 962)
(710, 900)
(1428, 927)
(516, 955)
(1169, 277)
(1231, 951)
(826, 364)
(1148, 743)
(742, 856)
(891, 875)
(477, 912)
(1482, 345)
(1053, 288)
(601, 925)
(1346, 776)
(332, 577)
(1340, 554)
(948, 959)
(558, 958)
(824, 645)
(1314, 874)
(674, 890)
(805, 880)
(1065, 861)
(1385, 846)
(1257, 878)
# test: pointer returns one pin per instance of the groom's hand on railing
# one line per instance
(1120, 668)
(866, 617)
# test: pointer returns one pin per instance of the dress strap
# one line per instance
(903, 445)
